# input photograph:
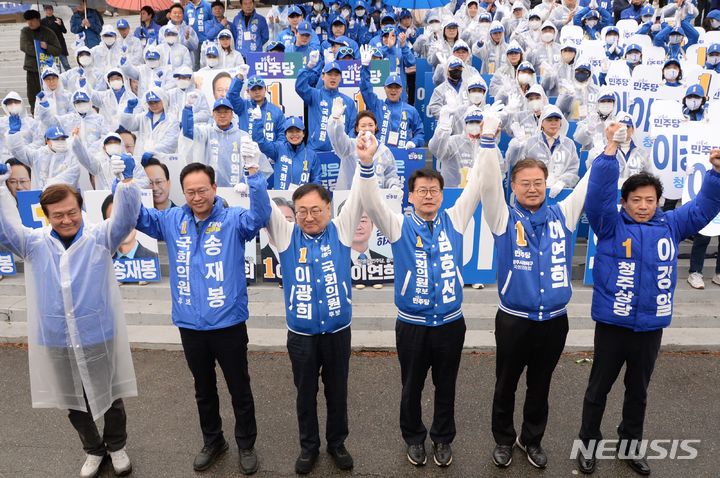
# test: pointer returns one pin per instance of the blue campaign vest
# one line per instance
(428, 281)
(316, 282)
(535, 264)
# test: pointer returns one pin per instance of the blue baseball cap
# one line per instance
(388, 29)
(671, 61)
(592, 14)
(80, 96)
(583, 66)
(50, 72)
(610, 30)
(513, 48)
(255, 81)
(677, 31)
(647, 11)
(633, 47)
(460, 45)
(393, 79)
(225, 34)
(339, 20)
(715, 15)
(112, 136)
(222, 103)
(455, 62)
(294, 10)
(212, 50)
(477, 83)
(294, 122)
(304, 28)
(497, 27)
(695, 90)
(344, 52)
(473, 114)
(388, 16)
(55, 132)
(152, 97)
(183, 71)
(405, 13)
(152, 55)
(341, 40)
(451, 24)
(333, 65)
(122, 24)
(273, 45)
(526, 66)
(714, 48)
(624, 118)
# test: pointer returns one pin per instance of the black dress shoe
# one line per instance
(416, 454)
(209, 454)
(638, 465)
(535, 454)
(342, 458)
(305, 462)
(248, 461)
(586, 465)
(442, 454)
(502, 455)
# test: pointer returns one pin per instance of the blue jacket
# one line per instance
(287, 38)
(635, 269)
(676, 51)
(274, 117)
(634, 12)
(399, 58)
(257, 33)
(398, 117)
(207, 277)
(293, 164)
(199, 18)
(92, 34)
(319, 103)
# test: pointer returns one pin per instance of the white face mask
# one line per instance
(116, 84)
(345, 13)
(472, 128)
(655, 27)
(152, 63)
(547, 37)
(183, 84)
(524, 78)
(591, 23)
(108, 40)
(171, 39)
(605, 107)
(633, 57)
(59, 145)
(85, 60)
(715, 23)
(360, 12)
(693, 103)
(318, 7)
(83, 107)
(713, 59)
(476, 97)
(113, 148)
(435, 27)
(671, 74)
(535, 105)
(534, 24)
(15, 108)
(675, 39)
(611, 39)
(212, 62)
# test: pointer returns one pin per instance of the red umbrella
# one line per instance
(136, 5)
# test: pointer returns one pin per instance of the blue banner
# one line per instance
(329, 169)
(31, 213)
(407, 162)
(137, 269)
(45, 60)
(7, 264)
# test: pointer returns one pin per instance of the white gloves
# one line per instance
(241, 188)
(496, 107)
(338, 108)
(620, 135)
(514, 103)
(517, 130)
(445, 117)
(117, 165)
(243, 71)
(410, 145)
(329, 55)
(313, 59)
(567, 86)
(490, 124)
(604, 64)
(556, 188)
(250, 153)
(255, 114)
(593, 5)
(366, 52)
(191, 98)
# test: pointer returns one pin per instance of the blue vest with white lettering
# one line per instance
(428, 282)
(535, 263)
(316, 282)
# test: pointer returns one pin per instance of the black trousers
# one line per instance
(32, 80)
(114, 434)
(615, 346)
(228, 347)
(523, 343)
(419, 349)
(326, 356)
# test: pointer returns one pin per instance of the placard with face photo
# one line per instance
(235, 199)
(269, 255)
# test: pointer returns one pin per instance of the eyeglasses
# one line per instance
(202, 192)
(15, 182)
(527, 185)
(71, 214)
(423, 192)
(314, 212)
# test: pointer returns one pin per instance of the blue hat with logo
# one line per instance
(225, 34)
(473, 114)
(294, 122)
(339, 19)
(341, 40)
(152, 55)
(294, 10)
(388, 16)
(478, 83)
(624, 118)
(212, 50)
(50, 72)
(671, 61)
(122, 24)
(633, 47)
(80, 96)
(222, 103)
(55, 132)
(183, 71)
(305, 28)
(647, 11)
(455, 62)
(714, 15)
(695, 90)
(152, 97)
(714, 48)
(526, 66)
(255, 81)
(333, 65)
(583, 66)
(393, 79)
(273, 45)
(405, 13)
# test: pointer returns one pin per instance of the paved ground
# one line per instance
(164, 433)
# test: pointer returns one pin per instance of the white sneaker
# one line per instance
(377, 286)
(91, 467)
(695, 279)
(477, 286)
(360, 286)
(121, 462)
(716, 279)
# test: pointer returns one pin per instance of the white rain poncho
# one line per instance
(562, 161)
(175, 55)
(77, 339)
(48, 166)
(155, 133)
(97, 163)
(344, 146)
(29, 128)
(111, 104)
